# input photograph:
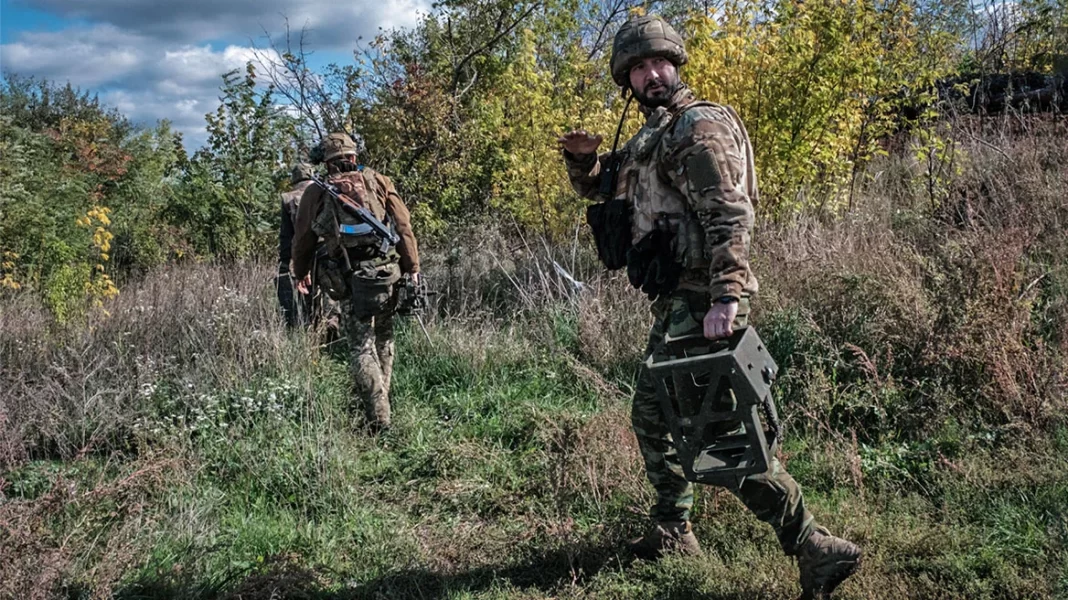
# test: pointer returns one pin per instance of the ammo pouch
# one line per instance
(372, 287)
(330, 275)
(369, 286)
(610, 223)
(651, 264)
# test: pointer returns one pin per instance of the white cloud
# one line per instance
(144, 80)
(333, 25)
(85, 57)
(185, 114)
(160, 60)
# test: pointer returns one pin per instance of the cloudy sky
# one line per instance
(162, 60)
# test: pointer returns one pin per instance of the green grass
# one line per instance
(508, 475)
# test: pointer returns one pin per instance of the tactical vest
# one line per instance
(341, 230)
(655, 202)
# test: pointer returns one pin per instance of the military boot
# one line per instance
(666, 538)
(825, 561)
(378, 417)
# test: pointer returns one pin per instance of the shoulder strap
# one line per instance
(675, 117)
(370, 181)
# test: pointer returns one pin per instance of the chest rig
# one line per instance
(666, 237)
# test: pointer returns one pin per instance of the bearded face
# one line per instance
(654, 81)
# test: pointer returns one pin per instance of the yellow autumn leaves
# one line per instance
(818, 83)
(7, 271)
(99, 285)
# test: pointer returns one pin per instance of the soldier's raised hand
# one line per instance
(579, 142)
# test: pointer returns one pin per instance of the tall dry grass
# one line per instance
(914, 333)
(934, 308)
(69, 391)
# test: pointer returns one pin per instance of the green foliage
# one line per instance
(818, 84)
(1030, 35)
(463, 110)
(85, 197)
(508, 475)
(227, 200)
(144, 236)
(537, 100)
(66, 179)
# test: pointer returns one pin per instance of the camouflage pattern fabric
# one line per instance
(371, 351)
(774, 497)
(644, 37)
(691, 164)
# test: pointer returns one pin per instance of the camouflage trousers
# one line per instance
(371, 351)
(315, 310)
(296, 308)
(774, 497)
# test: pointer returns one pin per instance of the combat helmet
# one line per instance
(300, 172)
(338, 144)
(642, 37)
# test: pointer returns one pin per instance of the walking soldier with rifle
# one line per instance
(313, 308)
(296, 308)
(356, 231)
(677, 211)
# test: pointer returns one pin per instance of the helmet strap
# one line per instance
(611, 166)
(619, 128)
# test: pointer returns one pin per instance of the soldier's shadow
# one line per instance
(551, 572)
(281, 577)
(548, 572)
(545, 572)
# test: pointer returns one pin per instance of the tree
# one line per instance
(227, 200)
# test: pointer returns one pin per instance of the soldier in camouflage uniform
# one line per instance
(688, 177)
(296, 308)
(368, 293)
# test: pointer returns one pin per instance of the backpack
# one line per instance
(350, 261)
(340, 230)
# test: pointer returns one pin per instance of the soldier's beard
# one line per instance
(658, 96)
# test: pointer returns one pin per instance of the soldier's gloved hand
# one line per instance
(719, 320)
(579, 142)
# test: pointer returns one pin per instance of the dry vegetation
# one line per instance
(184, 445)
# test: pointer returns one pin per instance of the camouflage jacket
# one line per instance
(290, 202)
(689, 167)
(383, 201)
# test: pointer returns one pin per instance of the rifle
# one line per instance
(386, 236)
(412, 301)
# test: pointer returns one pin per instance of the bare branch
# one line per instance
(492, 42)
(319, 108)
(620, 6)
